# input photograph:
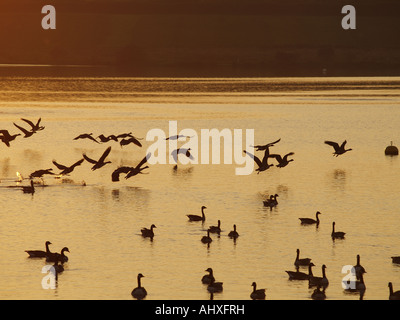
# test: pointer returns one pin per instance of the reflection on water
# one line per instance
(96, 217)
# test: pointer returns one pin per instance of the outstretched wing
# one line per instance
(257, 160)
(78, 163)
(144, 160)
(343, 144)
(22, 129)
(28, 122)
(105, 154)
(333, 144)
(59, 166)
(89, 159)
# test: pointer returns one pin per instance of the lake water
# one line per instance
(100, 222)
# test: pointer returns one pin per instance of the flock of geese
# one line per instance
(213, 286)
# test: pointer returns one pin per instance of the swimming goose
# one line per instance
(130, 171)
(6, 137)
(266, 146)
(338, 149)
(127, 141)
(67, 170)
(358, 268)
(216, 229)
(396, 259)
(393, 295)
(318, 294)
(282, 162)
(34, 127)
(148, 232)
(257, 294)
(214, 287)
(233, 233)
(139, 292)
(262, 165)
(301, 262)
(297, 275)
(358, 285)
(311, 221)
(99, 163)
(29, 189)
(26, 133)
(336, 234)
(39, 253)
(193, 217)
(86, 136)
(272, 201)
(322, 281)
(52, 257)
(208, 278)
(207, 238)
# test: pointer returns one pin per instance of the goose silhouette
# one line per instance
(99, 163)
(338, 149)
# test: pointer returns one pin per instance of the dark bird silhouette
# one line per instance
(127, 141)
(282, 162)
(61, 257)
(266, 146)
(358, 268)
(39, 253)
(193, 217)
(262, 165)
(184, 151)
(130, 171)
(393, 295)
(58, 268)
(86, 136)
(233, 234)
(257, 294)
(148, 233)
(336, 234)
(214, 286)
(319, 281)
(139, 292)
(34, 127)
(318, 294)
(311, 221)
(301, 262)
(99, 163)
(6, 137)
(176, 137)
(105, 139)
(396, 259)
(207, 238)
(338, 149)
(26, 133)
(208, 278)
(272, 201)
(41, 173)
(67, 170)
(298, 275)
(29, 189)
(127, 135)
(216, 229)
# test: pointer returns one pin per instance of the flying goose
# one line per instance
(338, 149)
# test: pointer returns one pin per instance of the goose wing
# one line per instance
(59, 166)
(89, 159)
(105, 154)
(144, 160)
(29, 122)
(22, 129)
(277, 157)
(256, 159)
(335, 145)
(78, 163)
